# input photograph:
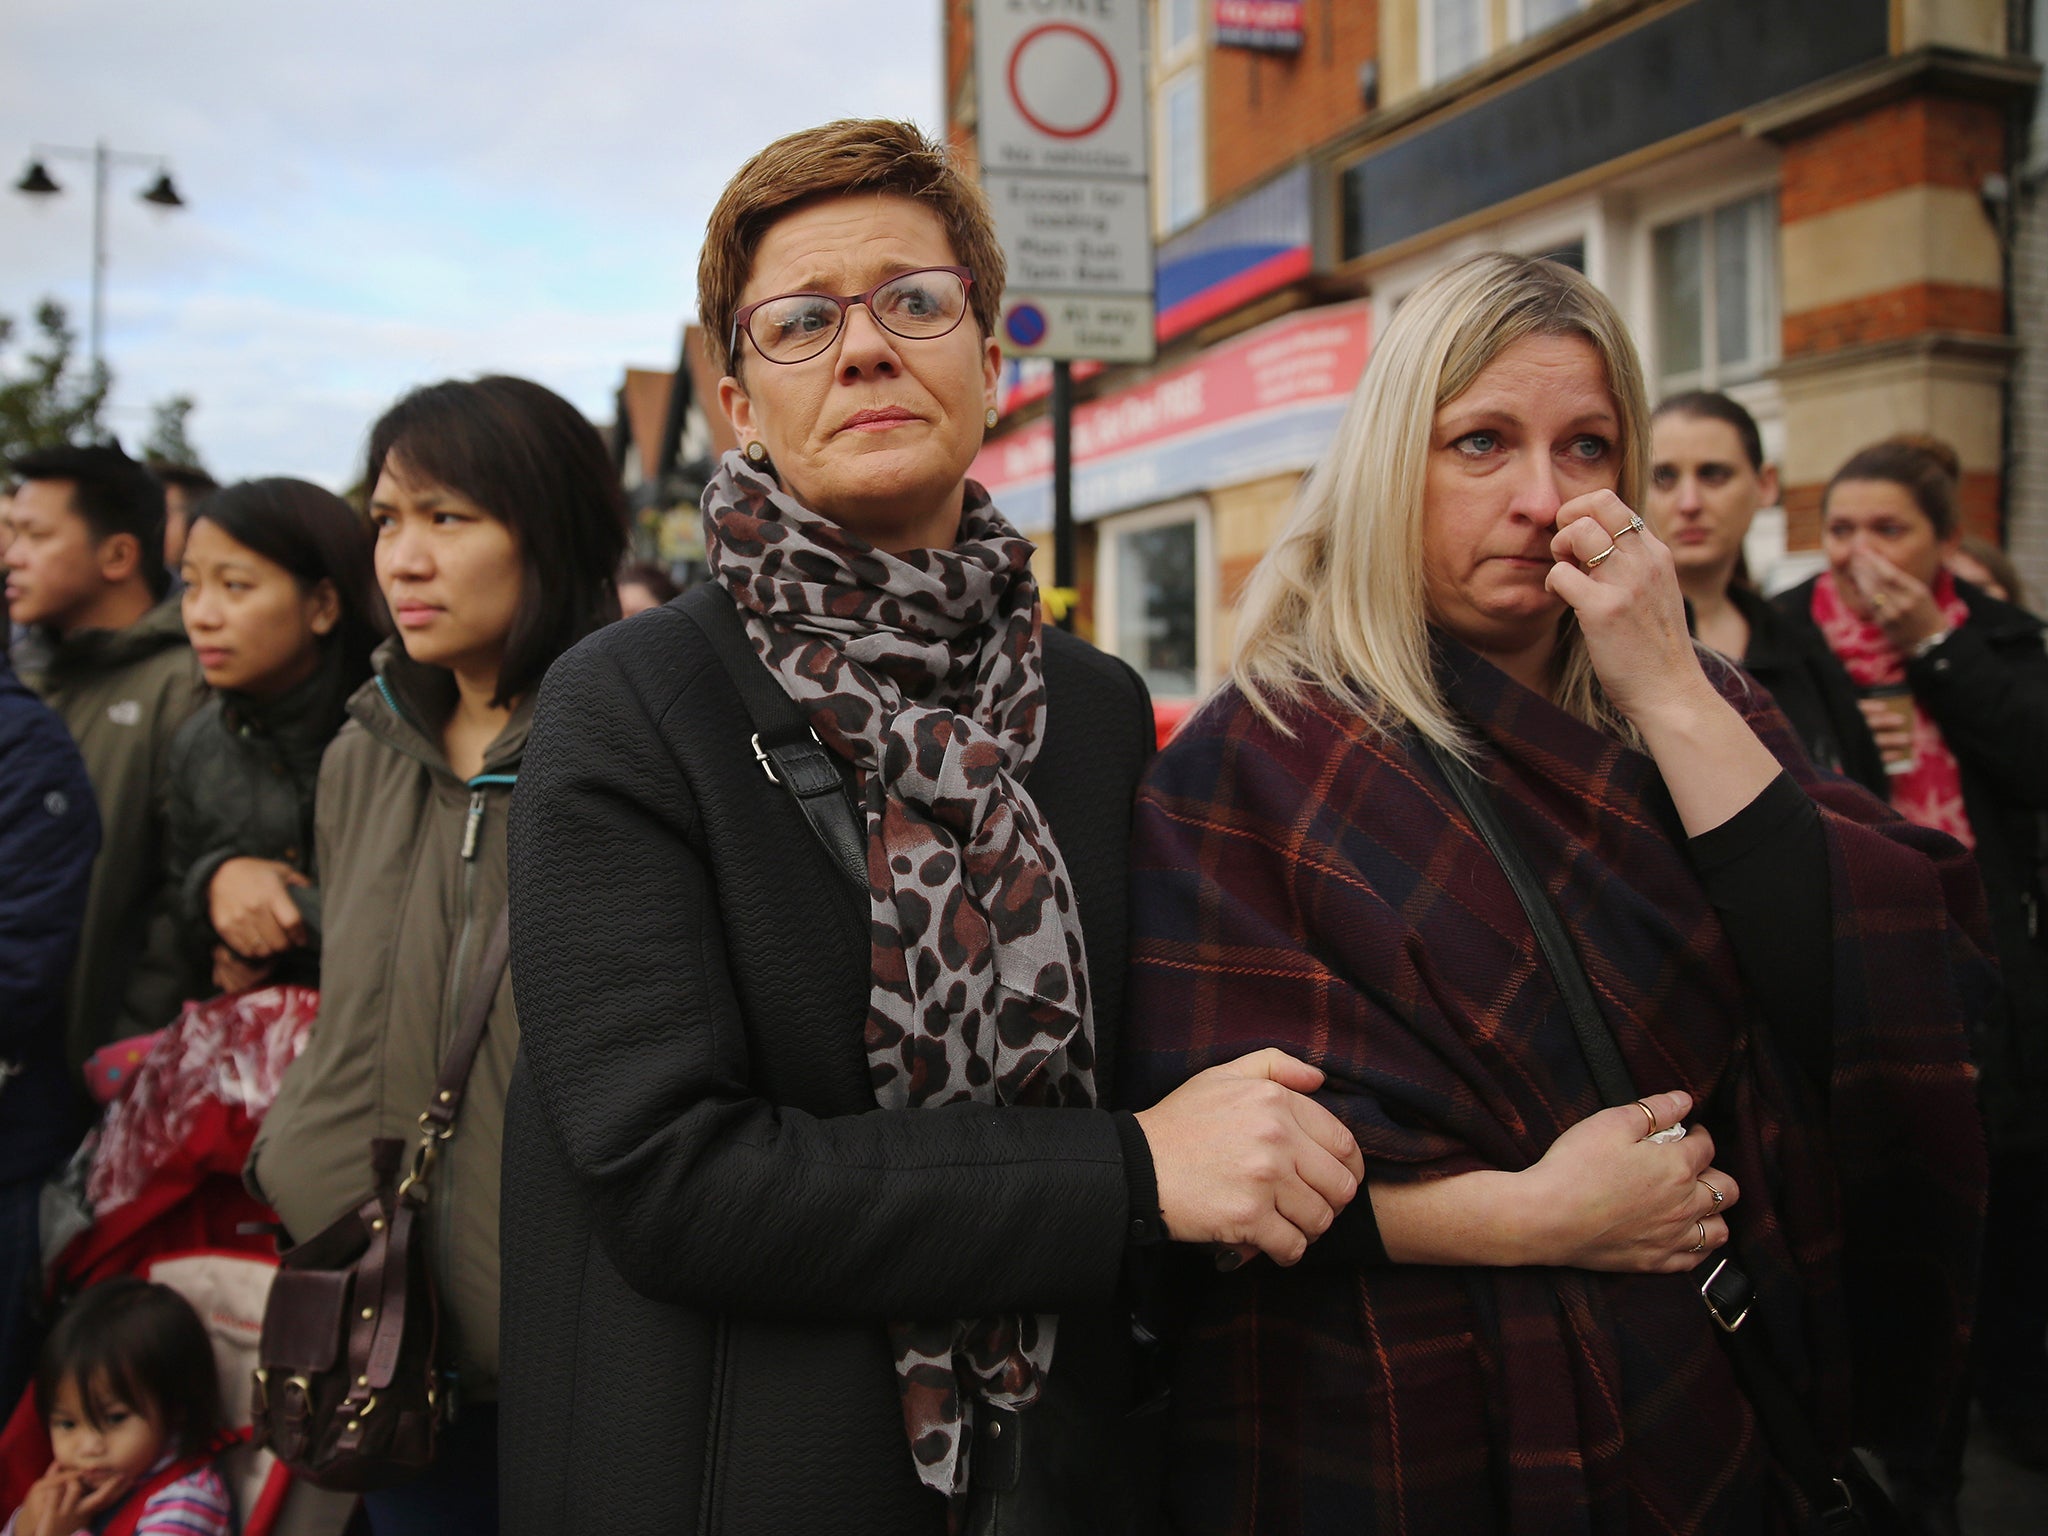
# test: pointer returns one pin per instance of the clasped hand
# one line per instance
(1607, 1197)
(1246, 1160)
(250, 905)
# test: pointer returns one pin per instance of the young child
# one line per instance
(128, 1389)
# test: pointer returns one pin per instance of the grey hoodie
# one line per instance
(123, 693)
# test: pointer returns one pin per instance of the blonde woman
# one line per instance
(1509, 1333)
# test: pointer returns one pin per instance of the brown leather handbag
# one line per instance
(348, 1392)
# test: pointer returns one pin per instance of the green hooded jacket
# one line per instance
(412, 868)
(123, 693)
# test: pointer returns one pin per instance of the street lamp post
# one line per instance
(37, 182)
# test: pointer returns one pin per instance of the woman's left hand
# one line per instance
(1628, 604)
(1901, 602)
(1619, 579)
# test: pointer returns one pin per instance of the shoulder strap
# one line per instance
(469, 1038)
(784, 745)
(1726, 1289)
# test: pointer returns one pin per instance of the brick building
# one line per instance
(1799, 201)
(667, 433)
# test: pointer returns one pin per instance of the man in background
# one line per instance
(184, 488)
(85, 568)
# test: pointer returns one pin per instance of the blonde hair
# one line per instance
(1339, 602)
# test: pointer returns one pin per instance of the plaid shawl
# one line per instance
(1322, 893)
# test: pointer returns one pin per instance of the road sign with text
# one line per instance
(1062, 101)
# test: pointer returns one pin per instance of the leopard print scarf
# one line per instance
(925, 671)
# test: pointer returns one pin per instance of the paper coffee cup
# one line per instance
(1896, 700)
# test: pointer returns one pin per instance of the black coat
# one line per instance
(242, 777)
(1793, 661)
(49, 835)
(1986, 687)
(707, 1221)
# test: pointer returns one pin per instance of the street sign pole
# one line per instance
(1063, 485)
(1061, 130)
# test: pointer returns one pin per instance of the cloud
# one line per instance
(386, 193)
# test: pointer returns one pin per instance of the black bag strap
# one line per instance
(784, 745)
(1727, 1289)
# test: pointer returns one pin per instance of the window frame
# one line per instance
(1109, 535)
(1425, 41)
(1164, 219)
(1702, 203)
(1578, 220)
(1173, 55)
(1519, 29)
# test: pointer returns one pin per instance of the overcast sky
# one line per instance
(380, 194)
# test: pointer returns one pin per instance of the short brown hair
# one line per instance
(851, 155)
(1925, 468)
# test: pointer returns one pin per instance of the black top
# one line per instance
(242, 780)
(707, 1221)
(1765, 870)
(1805, 680)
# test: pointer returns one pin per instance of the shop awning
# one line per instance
(1264, 403)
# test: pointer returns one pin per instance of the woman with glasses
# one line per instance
(815, 1217)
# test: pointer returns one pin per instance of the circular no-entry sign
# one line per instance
(1062, 80)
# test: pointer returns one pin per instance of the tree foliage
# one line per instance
(168, 442)
(46, 401)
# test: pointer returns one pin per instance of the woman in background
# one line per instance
(1954, 688)
(499, 525)
(642, 587)
(1989, 569)
(1708, 480)
(283, 611)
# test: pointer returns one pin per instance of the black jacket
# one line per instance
(1807, 682)
(49, 835)
(1987, 688)
(707, 1221)
(242, 776)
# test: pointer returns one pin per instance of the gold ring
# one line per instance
(1651, 1113)
(1635, 525)
(1601, 556)
(1710, 1189)
(1877, 603)
(1696, 1247)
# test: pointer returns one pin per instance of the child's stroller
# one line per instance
(159, 1189)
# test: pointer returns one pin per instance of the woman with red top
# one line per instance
(1954, 690)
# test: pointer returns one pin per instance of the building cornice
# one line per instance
(1947, 71)
(1994, 354)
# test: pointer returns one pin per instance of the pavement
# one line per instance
(1999, 1498)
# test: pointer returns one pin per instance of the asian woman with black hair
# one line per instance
(283, 611)
(498, 526)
